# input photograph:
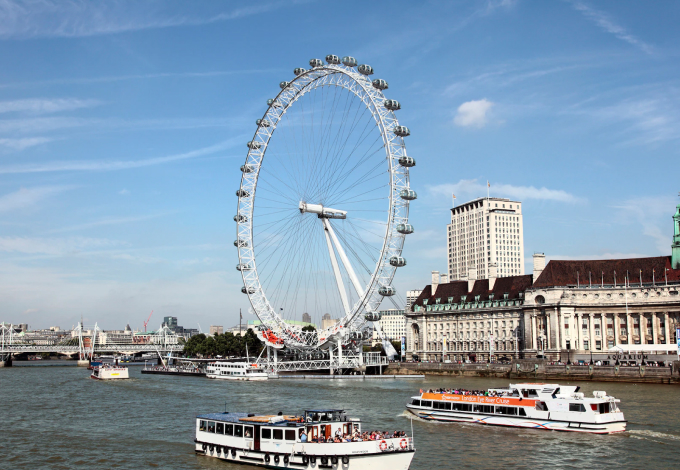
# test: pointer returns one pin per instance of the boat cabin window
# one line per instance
(229, 429)
(238, 430)
(203, 426)
(278, 434)
(529, 393)
(461, 407)
(415, 402)
(540, 406)
(600, 407)
(266, 433)
(577, 407)
(248, 431)
(220, 428)
(290, 434)
(483, 409)
(506, 410)
(427, 404)
(522, 412)
(211, 426)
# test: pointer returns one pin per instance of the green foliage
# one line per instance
(224, 345)
(308, 328)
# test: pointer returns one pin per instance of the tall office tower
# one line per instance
(482, 232)
(411, 297)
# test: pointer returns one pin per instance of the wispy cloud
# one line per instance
(46, 106)
(651, 213)
(108, 221)
(78, 18)
(27, 197)
(607, 24)
(473, 113)
(120, 164)
(53, 246)
(473, 188)
(24, 143)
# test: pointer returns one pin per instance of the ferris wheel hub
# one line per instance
(321, 211)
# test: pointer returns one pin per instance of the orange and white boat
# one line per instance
(551, 407)
(107, 372)
(235, 371)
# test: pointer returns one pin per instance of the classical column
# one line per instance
(591, 331)
(643, 328)
(655, 339)
(666, 326)
(528, 335)
(534, 335)
(615, 324)
(629, 328)
(553, 335)
(578, 334)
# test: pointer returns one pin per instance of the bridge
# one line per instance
(85, 343)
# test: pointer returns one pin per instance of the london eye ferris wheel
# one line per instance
(323, 204)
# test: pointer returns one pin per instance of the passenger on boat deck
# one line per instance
(303, 436)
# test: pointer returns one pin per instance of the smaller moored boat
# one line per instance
(317, 439)
(530, 405)
(235, 371)
(106, 372)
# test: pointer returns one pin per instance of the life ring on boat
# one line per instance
(403, 444)
(286, 459)
(212, 447)
(334, 460)
(305, 460)
(383, 445)
(233, 452)
(226, 452)
(205, 447)
(345, 459)
(276, 458)
(312, 459)
(267, 458)
(324, 460)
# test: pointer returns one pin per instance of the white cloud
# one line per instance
(473, 113)
(28, 311)
(652, 213)
(45, 106)
(24, 143)
(78, 18)
(473, 189)
(118, 165)
(26, 197)
(53, 246)
(108, 221)
(124, 192)
(610, 26)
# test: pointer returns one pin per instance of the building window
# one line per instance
(598, 345)
(586, 345)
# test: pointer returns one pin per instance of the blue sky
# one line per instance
(123, 124)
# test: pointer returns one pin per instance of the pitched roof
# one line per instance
(511, 285)
(607, 272)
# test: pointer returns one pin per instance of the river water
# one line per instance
(58, 418)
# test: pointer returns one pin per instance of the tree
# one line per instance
(308, 328)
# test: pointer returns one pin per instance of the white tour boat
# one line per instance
(235, 371)
(107, 372)
(276, 441)
(531, 405)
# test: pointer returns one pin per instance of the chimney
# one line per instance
(493, 274)
(435, 281)
(472, 277)
(443, 278)
(539, 264)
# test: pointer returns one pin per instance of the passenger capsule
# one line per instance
(332, 59)
(349, 61)
(247, 168)
(392, 105)
(408, 162)
(250, 290)
(365, 69)
(366, 334)
(380, 84)
(242, 193)
(263, 123)
(244, 267)
(405, 229)
(402, 131)
(387, 291)
(398, 261)
(284, 84)
(408, 194)
(254, 145)
(372, 316)
(240, 218)
(273, 103)
(240, 243)
(299, 71)
(314, 63)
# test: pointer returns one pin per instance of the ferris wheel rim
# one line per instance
(386, 121)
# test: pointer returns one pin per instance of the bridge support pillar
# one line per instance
(6, 361)
(83, 363)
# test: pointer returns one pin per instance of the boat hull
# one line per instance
(379, 461)
(118, 373)
(519, 422)
(236, 377)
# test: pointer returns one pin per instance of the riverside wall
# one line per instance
(542, 370)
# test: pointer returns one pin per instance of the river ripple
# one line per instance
(58, 418)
